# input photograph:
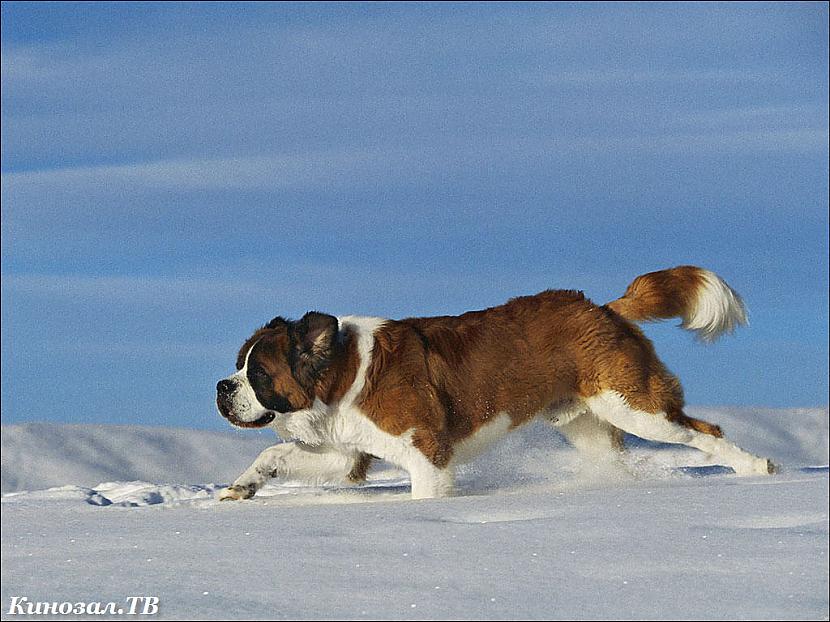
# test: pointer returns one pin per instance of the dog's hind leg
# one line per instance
(299, 461)
(592, 435)
(613, 407)
(584, 430)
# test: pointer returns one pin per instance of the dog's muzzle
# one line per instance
(226, 390)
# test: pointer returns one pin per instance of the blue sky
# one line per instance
(174, 175)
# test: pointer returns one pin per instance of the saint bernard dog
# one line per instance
(426, 394)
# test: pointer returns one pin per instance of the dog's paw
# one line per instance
(765, 466)
(756, 466)
(236, 493)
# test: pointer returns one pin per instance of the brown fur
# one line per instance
(445, 377)
(360, 468)
(659, 295)
(699, 425)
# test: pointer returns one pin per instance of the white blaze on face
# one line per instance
(244, 403)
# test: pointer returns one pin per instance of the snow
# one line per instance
(101, 513)
(87, 454)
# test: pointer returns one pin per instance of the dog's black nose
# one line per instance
(224, 387)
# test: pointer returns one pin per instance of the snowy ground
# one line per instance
(534, 533)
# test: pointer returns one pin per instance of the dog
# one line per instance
(427, 394)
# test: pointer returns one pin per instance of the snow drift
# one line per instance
(39, 455)
(43, 455)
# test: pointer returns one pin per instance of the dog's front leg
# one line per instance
(429, 481)
(294, 460)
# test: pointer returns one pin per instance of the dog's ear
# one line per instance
(316, 335)
(277, 322)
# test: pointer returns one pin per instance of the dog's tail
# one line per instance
(704, 301)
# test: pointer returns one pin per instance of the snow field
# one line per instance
(535, 532)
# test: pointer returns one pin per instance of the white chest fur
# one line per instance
(339, 425)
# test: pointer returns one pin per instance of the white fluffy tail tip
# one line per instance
(717, 310)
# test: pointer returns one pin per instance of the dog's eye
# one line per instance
(261, 375)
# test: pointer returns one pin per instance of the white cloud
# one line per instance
(343, 168)
(292, 289)
(624, 78)
(250, 173)
(709, 141)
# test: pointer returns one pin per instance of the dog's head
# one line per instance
(277, 370)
